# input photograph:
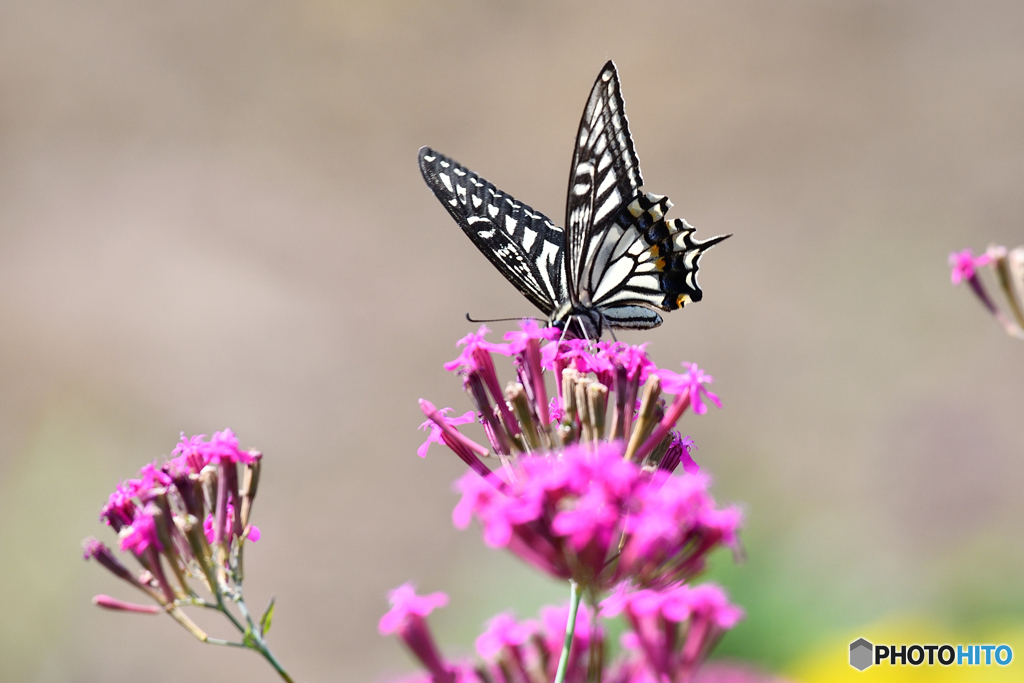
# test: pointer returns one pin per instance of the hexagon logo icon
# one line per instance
(861, 654)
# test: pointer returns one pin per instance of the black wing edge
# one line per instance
(543, 288)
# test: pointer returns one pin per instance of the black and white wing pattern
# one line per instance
(521, 243)
(604, 176)
(625, 258)
(618, 259)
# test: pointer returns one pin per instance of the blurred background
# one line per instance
(211, 216)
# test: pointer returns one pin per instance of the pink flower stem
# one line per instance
(979, 291)
(560, 365)
(632, 387)
(158, 573)
(490, 378)
(230, 469)
(498, 436)
(619, 416)
(108, 602)
(220, 519)
(469, 451)
(534, 372)
(672, 416)
(570, 631)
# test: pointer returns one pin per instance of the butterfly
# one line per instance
(618, 258)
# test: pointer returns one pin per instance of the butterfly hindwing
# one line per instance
(521, 243)
(644, 259)
(604, 177)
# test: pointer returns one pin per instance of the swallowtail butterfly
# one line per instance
(618, 258)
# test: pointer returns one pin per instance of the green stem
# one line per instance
(258, 644)
(224, 609)
(269, 656)
(227, 643)
(570, 630)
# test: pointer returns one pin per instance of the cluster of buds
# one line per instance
(186, 523)
(669, 635)
(585, 492)
(1009, 271)
(598, 386)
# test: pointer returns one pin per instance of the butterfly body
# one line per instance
(617, 260)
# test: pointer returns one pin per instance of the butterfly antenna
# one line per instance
(503, 320)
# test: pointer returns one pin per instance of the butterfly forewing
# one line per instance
(604, 177)
(521, 243)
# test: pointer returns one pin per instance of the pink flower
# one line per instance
(692, 383)
(555, 410)
(191, 456)
(529, 330)
(633, 358)
(154, 516)
(407, 618)
(564, 351)
(708, 601)
(480, 378)
(964, 263)
(142, 533)
(120, 508)
(436, 435)
(503, 632)
(1007, 266)
(570, 517)
(208, 528)
(678, 452)
(95, 550)
(669, 651)
(223, 447)
(152, 478)
(519, 652)
(468, 450)
(405, 604)
(553, 622)
(476, 349)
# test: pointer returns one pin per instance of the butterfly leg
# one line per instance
(565, 331)
(583, 328)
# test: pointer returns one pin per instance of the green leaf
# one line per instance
(249, 640)
(268, 616)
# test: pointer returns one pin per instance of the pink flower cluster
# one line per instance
(597, 398)
(180, 518)
(671, 633)
(584, 490)
(587, 491)
(668, 651)
(594, 517)
(1009, 269)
